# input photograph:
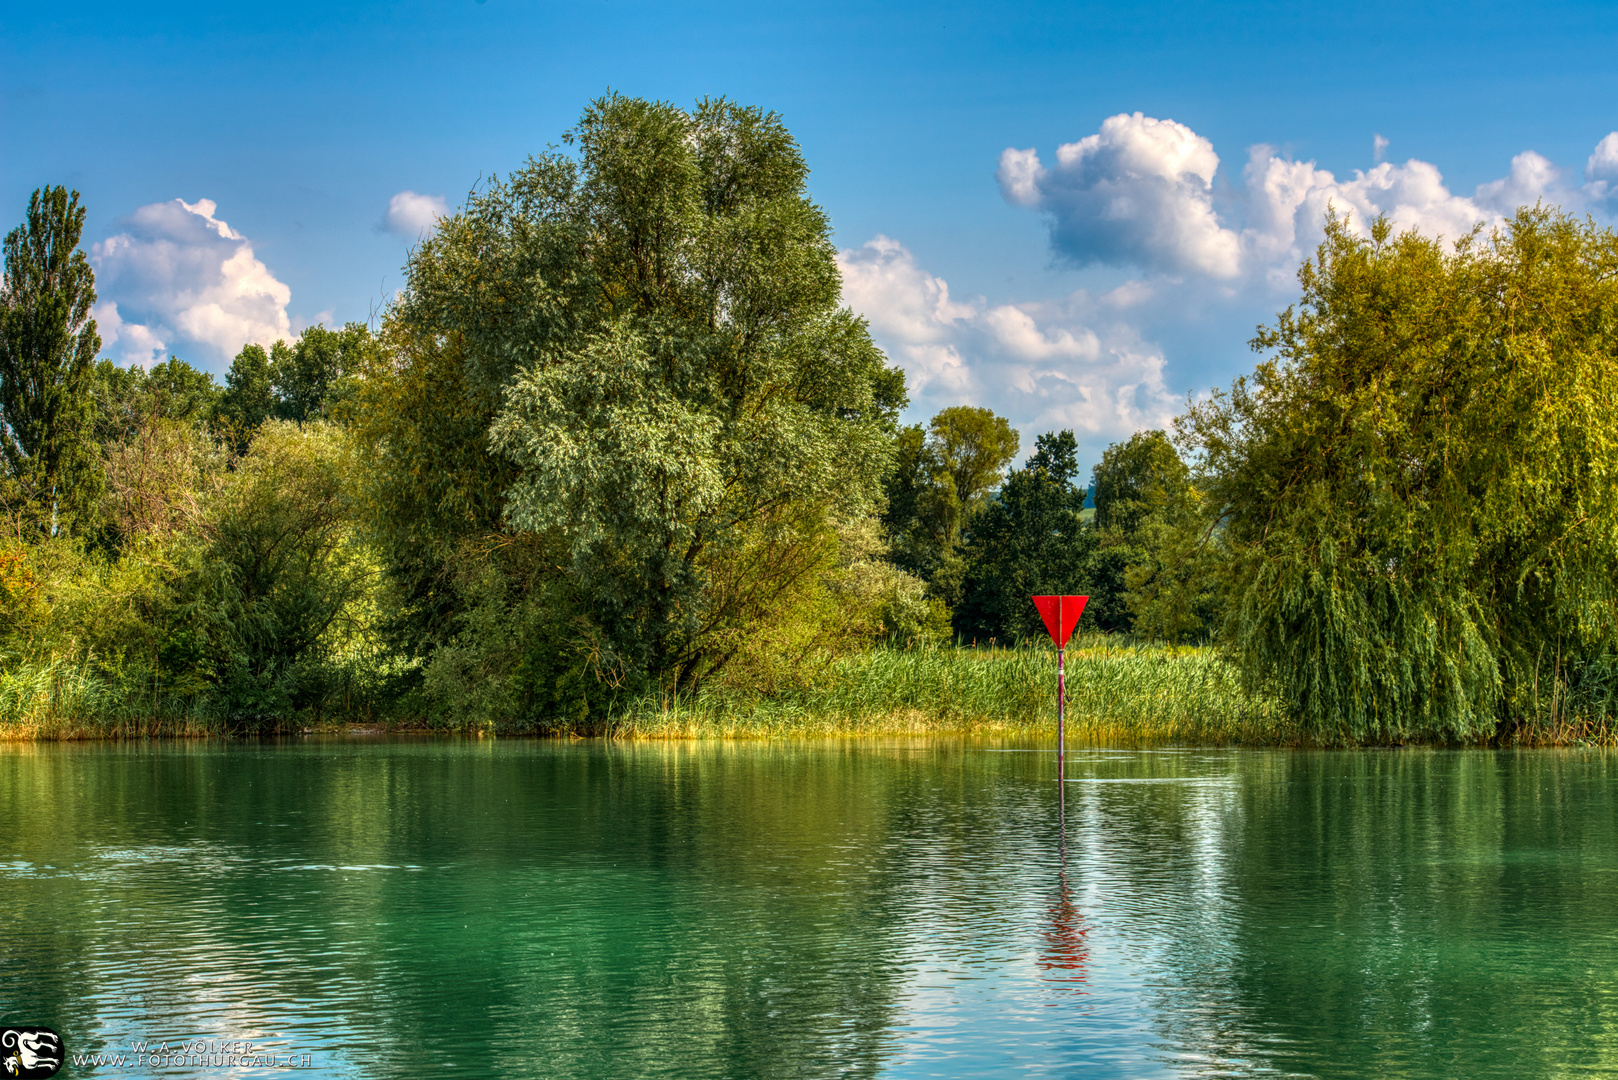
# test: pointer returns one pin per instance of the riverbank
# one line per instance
(1117, 694)
(1120, 693)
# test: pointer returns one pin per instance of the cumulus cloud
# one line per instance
(180, 278)
(1287, 203)
(1601, 171)
(128, 343)
(411, 214)
(1069, 363)
(1199, 258)
(1140, 192)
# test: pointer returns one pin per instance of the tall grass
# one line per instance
(57, 698)
(1116, 694)
(77, 698)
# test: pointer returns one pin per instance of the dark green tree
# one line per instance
(941, 477)
(179, 391)
(172, 390)
(248, 399)
(307, 378)
(1141, 489)
(1139, 479)
(48, 343)
(1030, 539)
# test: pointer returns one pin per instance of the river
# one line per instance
(373, 907)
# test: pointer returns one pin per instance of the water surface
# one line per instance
(901, 908)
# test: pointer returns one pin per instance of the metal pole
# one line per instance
(1061, 735)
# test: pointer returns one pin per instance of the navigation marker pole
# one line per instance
(1061, 615)
(1061, 704)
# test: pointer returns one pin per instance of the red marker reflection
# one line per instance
(1064, 953)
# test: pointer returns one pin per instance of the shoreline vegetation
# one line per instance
(1120, 693)
(619, 461)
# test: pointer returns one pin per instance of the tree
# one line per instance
(942, 476)
(970, 447)
(1139, 479)
(248, 399)
(654, 329)
(308, 376)
(173, 390)
(48, 343)
(1416, 487)
(1142, 494)
(1030, 540)
(282, 565)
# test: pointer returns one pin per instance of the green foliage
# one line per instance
(1416, 490)
(125, 398)
(651, 333)
(248, 399)
(1153, 569)
(433, 489)
(969, 449)
(309, 379)
(1030, 540)
(941, 478)
(283, 565)
(1138, 480)
(48, 344)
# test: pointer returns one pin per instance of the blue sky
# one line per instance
(1091, 290)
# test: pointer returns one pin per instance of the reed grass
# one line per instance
(1117, 694)
(57, 698)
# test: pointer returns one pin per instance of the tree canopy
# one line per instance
(1029, 540)
(657, 371)
(1416, 488)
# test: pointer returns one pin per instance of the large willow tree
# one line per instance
(1418, 487)
(633, 359)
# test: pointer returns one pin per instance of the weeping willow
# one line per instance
(1416, 486)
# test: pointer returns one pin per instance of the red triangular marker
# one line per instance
(1061, 615)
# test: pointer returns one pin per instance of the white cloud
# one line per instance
(410, 214)
(1601, 171)
(909, 311)
(1139, 191)
(1287, 202)
(1048, 365)
(1532, 179)
(128, 343)
(179, 277)
(1144, 194)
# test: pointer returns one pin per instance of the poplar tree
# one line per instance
(48, 343)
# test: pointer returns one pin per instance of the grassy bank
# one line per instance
(1117, 694)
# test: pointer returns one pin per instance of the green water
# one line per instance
(516, 908)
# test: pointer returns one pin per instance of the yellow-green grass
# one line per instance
(65, 699)
(1116, 695)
